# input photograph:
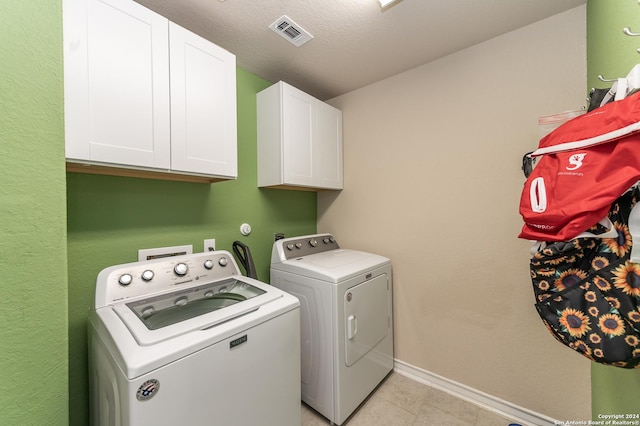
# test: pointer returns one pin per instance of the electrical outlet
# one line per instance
(210, 244)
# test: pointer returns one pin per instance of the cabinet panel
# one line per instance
(203, 105)
(116, 79)
(328, 147)
(298, 110)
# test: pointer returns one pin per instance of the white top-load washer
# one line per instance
(346, 319)
(187, 340)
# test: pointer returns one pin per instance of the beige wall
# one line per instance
(433, 181)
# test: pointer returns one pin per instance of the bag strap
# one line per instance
(611, 230)
(585, 143)
(618, 91)
(634, 230)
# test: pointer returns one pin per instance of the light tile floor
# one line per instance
(400, 401)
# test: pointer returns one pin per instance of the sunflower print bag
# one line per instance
(588, 292)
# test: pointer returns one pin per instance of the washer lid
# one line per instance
(334, 265)
(165, 316)
(168, 309)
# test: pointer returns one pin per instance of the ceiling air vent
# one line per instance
(291, 31)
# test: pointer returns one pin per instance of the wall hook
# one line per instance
(601, 78)
(628, 32)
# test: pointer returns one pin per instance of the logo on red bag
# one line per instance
(538, 195)
(576, 161)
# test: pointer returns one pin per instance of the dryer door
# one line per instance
(367, 317)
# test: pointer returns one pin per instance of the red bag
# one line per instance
(586, 164)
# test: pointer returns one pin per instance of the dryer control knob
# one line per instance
(290, 246)
(326, 240)
(298, 245)
(147, 275)
(223, 261)
(313, 242)
(181, 269)
(125, 279)
(208, 263)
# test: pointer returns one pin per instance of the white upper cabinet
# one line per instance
(144, 93)
(203, 105)
(116, 81)
(299, 140)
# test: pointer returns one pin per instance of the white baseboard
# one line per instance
(489, 402)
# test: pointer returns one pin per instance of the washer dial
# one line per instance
(147, 275)
(125, 279)
(181, 269)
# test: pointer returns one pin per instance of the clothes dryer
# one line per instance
(346, 319)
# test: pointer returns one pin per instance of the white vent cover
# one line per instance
(291, 31)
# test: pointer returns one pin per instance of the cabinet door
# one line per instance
(116, 83)
(298, 110)
(203, 105)
(327, 147)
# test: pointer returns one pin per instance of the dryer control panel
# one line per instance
(290, 248)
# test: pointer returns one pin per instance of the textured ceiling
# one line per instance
(355, 42)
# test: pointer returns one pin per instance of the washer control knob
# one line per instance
(125, 279)
(326, 240)
(290, 246)
(223, 261)
(181, 269)
(208, 264)
(298, 245)
(147, 275)
(313, 242)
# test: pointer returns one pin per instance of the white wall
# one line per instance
(433, 181)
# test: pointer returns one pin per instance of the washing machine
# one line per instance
(346, 319)
(188, 340)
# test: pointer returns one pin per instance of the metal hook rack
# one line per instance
(628, 32)
(606, 80)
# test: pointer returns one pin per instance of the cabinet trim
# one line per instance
(299, 188)
(144, 174)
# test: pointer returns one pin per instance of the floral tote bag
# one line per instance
(588, 291)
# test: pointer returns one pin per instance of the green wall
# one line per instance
(110, 218)
(612, 54)
(33, 266)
